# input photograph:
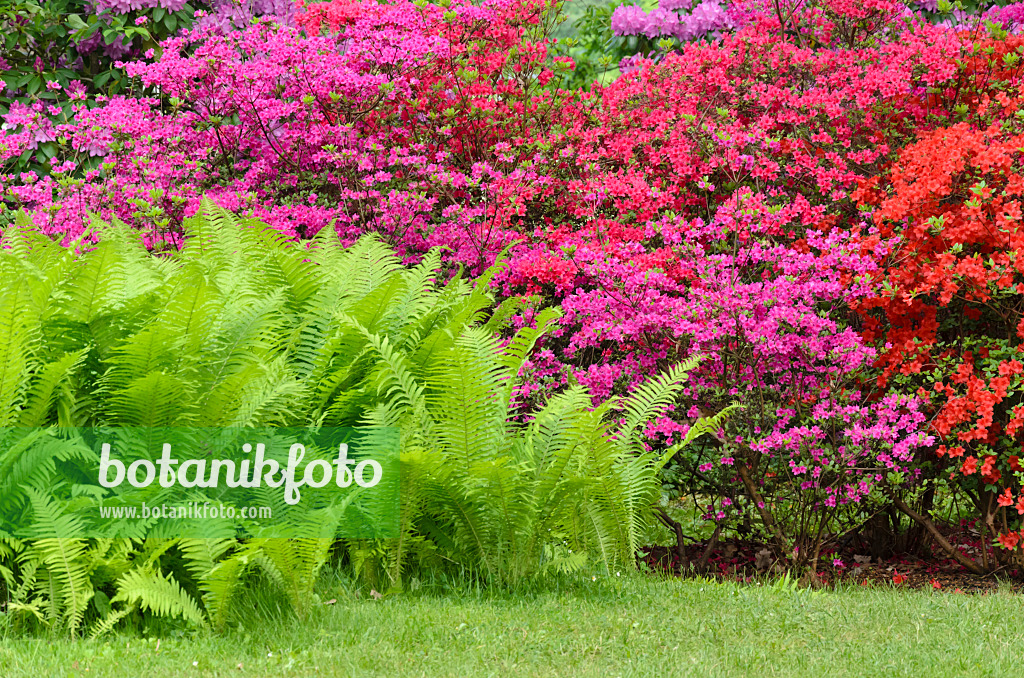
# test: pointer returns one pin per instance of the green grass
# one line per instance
(626, 626)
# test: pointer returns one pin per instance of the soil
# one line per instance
(747, 561)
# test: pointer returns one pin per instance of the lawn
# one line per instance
(625, 626)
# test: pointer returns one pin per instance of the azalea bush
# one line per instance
(949, 311)
(404, 136)
(60, 57)
(705, 208)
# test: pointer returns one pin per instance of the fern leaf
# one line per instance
(162, 595)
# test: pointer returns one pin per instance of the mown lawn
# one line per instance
(625, 626)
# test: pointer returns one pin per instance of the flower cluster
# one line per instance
(126, 6)
(672, 18)
(387, 127)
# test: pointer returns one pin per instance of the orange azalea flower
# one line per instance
(1010, 368)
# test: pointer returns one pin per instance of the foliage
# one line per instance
(586, 36)
(52, 49)
(725, 197)
(697, 205)
(513, 500)
(243, 327)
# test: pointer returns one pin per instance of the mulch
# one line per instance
(748, 561)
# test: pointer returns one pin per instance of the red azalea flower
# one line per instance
(1006, 498)
(1009, 540)
(970, 465)
(1010, 368)
(989, 473)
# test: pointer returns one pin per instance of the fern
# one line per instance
(159, 594)
(16, 332)
(44, 388)
(243, 328)
(67, 587)
(650, 399)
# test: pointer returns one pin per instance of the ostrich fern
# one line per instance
(243, 328)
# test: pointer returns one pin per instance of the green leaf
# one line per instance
(75, 22)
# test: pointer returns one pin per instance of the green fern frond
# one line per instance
(155, 400)
(652, 398)
(160, 594)
(16, 334)
(97, 276)
(466, 397)
(517, 351)
(221, 583)
(69, 587)
(105, 625)
(44, 387)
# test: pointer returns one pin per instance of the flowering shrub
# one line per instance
(400, 123)
(708, 213)
(74, 45)
(950, 313)
(680, 19)
(718, 149)
(818, 22)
